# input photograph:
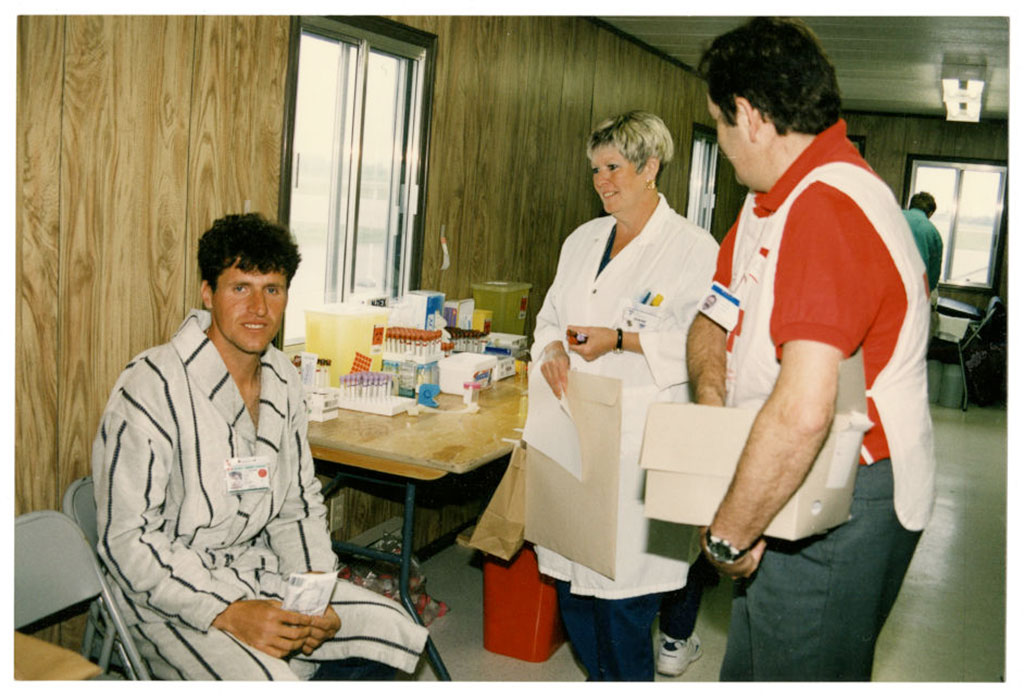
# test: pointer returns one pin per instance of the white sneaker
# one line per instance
(674, 656)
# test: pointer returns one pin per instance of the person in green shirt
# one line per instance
(929, 242)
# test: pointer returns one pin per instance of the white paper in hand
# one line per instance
(308, 593)
(550, 426)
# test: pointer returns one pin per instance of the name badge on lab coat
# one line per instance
(244, 474)
(638, 316)
(721, 307)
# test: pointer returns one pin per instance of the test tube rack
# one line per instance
(387, 406)
(371, 392)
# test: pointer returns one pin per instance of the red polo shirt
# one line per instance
(835, 281)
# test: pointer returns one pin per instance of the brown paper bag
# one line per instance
(499, 531)
(578, 517)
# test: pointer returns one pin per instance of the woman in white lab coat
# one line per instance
(630, 283)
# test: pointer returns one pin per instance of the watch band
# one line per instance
(618, 341)
(721, 550)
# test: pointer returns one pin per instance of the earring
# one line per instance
(651, 186)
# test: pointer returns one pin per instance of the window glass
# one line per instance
(969, 198)
(355, 144)
(700, 206)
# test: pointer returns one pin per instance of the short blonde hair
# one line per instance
(638, 135)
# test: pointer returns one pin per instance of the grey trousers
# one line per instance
(814, 608)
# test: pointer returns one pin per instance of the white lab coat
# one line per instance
(676, 259)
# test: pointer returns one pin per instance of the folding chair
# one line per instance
(54, 569)
(99, 639)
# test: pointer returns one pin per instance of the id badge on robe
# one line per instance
(721, 306)
(638, 316)
(244, 474)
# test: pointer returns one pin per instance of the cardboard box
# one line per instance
(459, 313)
(482, 320)
(690, 453)
(513, 343)
(506, 367)
(427, 305)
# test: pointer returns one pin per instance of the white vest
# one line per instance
(900, 389)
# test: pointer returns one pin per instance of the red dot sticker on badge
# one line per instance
(262, 473)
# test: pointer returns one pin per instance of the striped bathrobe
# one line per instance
(180, 548)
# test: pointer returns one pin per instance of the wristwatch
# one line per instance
(618, 341)
(721, 551)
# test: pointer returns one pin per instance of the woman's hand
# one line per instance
(554, 365)
(600, 340)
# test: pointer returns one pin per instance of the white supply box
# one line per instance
(322, 404)
(466, 367)
(506, 367)
(510, 342)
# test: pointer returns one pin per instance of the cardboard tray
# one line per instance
(691, 451)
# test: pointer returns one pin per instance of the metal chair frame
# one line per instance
(973, 329)
(80, 505)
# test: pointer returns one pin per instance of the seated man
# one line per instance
(199, 564)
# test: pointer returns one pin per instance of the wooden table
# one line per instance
(430, 445)
(401, 450)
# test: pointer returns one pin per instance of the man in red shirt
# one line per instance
(821, 263)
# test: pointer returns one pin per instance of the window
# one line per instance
(969, 216)
(354, 183)
(700, 208)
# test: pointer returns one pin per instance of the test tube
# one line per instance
(470, 391)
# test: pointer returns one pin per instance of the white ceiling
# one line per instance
(883, 64)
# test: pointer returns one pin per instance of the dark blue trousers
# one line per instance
(353, 669)
(611, 637)
(679, 607)
(814, 607)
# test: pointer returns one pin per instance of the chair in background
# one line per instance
(54, 569)
(960, 327)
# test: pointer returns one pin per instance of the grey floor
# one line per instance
(948, 624)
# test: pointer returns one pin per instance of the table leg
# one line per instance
(403, 577)
(404, 561)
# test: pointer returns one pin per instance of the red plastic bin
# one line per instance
(520, 609)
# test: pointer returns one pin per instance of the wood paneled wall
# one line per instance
(133, 135)
(514, 101)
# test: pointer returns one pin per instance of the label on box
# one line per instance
(377, 343)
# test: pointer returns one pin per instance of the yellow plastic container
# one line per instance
(351, 336)
(508, 301)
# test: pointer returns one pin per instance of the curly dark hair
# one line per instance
(779, 66)
(250, 241)
(923, 201)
